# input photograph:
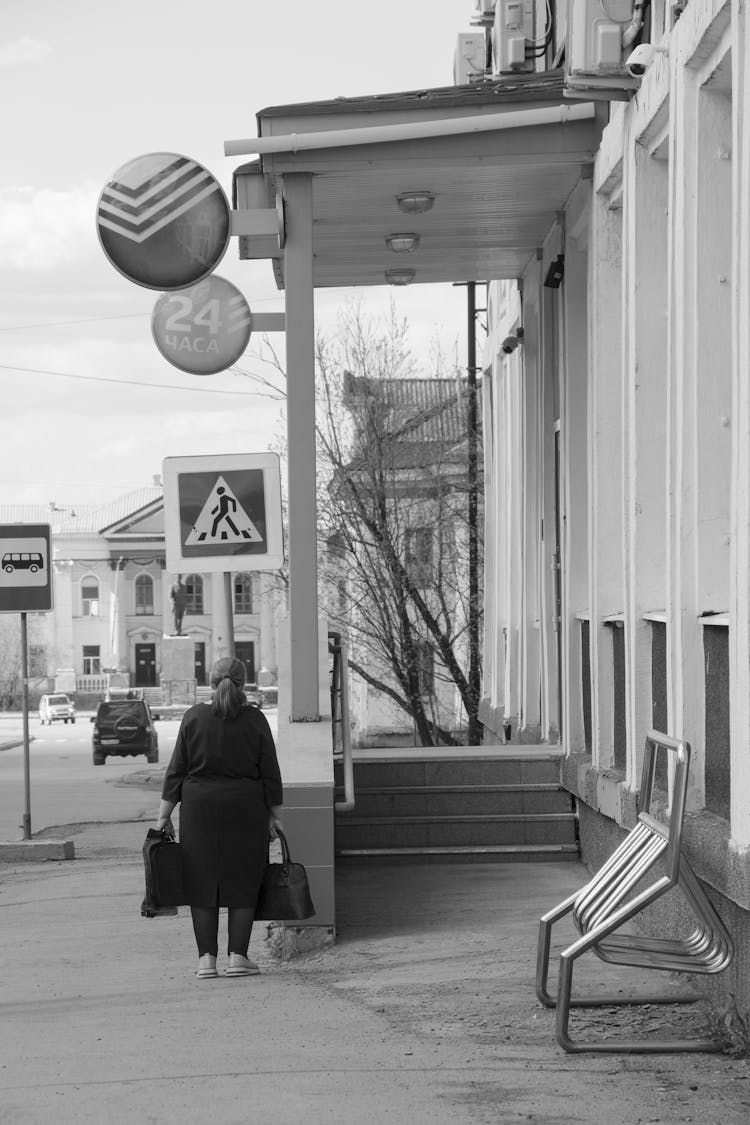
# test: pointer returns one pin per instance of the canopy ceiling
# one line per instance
(497, 192)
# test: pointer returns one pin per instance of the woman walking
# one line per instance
(225, 775)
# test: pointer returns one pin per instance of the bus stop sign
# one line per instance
(25, 568)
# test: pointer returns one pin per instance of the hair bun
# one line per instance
(228, 668)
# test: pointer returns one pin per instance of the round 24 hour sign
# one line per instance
(203, 329)
(163, 221)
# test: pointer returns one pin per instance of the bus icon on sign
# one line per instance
(22, 560)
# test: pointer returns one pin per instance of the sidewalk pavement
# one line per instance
(423, 1012)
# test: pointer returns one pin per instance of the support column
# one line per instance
(221, 616)
(268, 672)
(300, 369)
(739, 599)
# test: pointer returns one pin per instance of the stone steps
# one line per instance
(474, 806)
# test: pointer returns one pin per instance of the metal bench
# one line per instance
(611, 898)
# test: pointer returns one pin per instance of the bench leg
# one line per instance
(543, 948)
(615, 1046)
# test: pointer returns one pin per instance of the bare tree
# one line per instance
(392, 459)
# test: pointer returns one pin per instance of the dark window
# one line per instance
(144, 595)
(243, 593)
(619, 731)
(659, 694)
(419, 554)
(716, 653)
(194, 587)
(90, 597)
(586, 682)
(92, 664)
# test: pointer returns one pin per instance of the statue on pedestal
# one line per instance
(179, 596)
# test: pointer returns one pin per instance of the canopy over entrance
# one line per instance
(499, 159)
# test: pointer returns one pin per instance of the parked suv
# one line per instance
(124, 728)
(56, 707)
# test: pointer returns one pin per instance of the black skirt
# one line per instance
(224, 838)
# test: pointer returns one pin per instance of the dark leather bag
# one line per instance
(165, 889)
(284, 892)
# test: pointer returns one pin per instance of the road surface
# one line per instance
(66, 787)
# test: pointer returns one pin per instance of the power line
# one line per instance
(65, 323)
(102, 319)
(124, 382)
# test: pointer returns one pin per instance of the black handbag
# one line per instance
(165, 889)
(284, 893)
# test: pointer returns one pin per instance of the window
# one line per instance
(419, 547)
(243, 593)
(425, 667)
(90, 597)
(92, 664)
(194, 587)
(144, 595)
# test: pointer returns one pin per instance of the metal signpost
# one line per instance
(222, 514)
(25, 586)
(164, 222)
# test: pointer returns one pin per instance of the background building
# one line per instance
(112, 603)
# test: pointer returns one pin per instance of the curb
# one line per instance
(12, 745)
(36, 850)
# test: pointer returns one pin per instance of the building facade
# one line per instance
(617, 437)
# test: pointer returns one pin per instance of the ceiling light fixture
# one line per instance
(400, 277)
(402, 243)
(415, 202)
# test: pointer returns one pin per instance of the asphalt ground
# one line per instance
(422, 1012)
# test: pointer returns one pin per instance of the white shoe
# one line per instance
(206, 966)
(240, 966)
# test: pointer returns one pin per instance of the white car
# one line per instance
(56, 707)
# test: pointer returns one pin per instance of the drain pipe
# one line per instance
(411, 130)
(346, 737)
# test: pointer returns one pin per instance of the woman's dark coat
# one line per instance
(225, 774)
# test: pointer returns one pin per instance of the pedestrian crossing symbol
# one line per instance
(223, 513)
(222, 519)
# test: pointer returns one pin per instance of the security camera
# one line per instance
(641, 58)
(510, 343)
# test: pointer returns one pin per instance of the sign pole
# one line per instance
(26, 756)
(229, 611)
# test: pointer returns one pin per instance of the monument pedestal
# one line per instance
(177, 670)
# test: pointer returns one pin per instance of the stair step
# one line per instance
(515, 787)
(456, 771)
(493, 853)
(438, 800)
(352, 821)
(454, 832)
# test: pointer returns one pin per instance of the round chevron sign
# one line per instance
(204, 329)
(163, 221)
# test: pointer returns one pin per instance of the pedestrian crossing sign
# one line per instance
(223, 513)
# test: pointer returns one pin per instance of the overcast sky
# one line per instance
(85, 87)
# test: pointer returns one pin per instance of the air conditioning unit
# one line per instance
(512, 31)
(594, 51)
(470, 59)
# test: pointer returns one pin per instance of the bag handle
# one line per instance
(286, 857)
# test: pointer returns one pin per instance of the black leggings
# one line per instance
(206, 928)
